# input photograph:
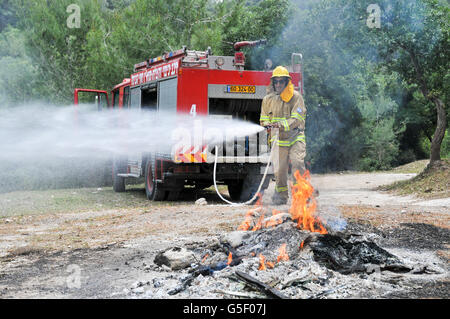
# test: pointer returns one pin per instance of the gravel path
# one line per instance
(358, 189)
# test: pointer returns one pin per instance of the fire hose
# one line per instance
(260, 185)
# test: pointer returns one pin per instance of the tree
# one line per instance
(411, 38)
(333, 86)
(7, 14)
(18, 78)
(56, 45)
(255, 20)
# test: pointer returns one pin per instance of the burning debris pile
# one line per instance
(283, 254)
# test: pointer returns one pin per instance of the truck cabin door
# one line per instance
(120, 97)
(97, 98)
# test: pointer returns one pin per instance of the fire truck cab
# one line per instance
(197, 83)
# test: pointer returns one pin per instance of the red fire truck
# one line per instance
(196, 83)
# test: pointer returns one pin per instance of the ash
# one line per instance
(344, 264)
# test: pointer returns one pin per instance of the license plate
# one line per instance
(250, 89)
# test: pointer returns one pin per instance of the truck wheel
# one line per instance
(119, 167)
(173, 195)
(251, 184)
(152, 188)
(235, 189)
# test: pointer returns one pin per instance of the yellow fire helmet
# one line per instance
(288, 92)
(280, 71)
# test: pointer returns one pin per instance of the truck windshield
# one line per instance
(97, 99)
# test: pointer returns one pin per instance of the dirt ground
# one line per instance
(108, 253)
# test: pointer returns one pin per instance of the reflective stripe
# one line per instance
(299, 138)
(281, 189)
(285, 125)
(294, 115)
(297, 116)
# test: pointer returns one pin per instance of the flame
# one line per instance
(275, 212)
(259, 223)
(304, 205)
(302, 244)
(274, 220)
(230, 258)
(282, 254)
(302, 210)
(259, 201)
(262, 262)
(247, 220)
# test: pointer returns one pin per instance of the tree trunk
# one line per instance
(441, 125)
(439, 133)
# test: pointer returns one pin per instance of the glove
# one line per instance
(272, 125)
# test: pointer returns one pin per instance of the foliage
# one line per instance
(412, 39)
(58, 50)
(7, 14)
(18, 79)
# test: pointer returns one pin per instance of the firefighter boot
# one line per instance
(280, 198)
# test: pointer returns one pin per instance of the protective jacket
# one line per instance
(289, 114)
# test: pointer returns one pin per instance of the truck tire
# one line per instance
(235, 189)
(251, 183)
(153, 190)
(119, 167)
(173, 195)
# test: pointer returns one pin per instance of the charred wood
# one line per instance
(204, 270)
(347, 255)
(266, 289)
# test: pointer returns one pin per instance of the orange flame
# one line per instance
(301, 244)
(270, 264)
(262, 262)
(259, 201)
(304, 205)
(230, 258)
(259, 223)
(276, 219)
(247, 221)
(282, 254)
(273, 221)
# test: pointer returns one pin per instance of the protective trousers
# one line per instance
(282, 155)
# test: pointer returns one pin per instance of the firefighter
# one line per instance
(283, 112)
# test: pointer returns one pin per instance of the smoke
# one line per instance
(43, 146)
(332, 217)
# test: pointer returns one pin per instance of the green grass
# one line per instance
(429, 183)
(415, 167)
(71, 200)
